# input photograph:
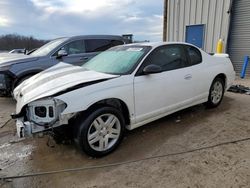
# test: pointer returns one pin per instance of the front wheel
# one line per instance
(216, 93)
(101, 132)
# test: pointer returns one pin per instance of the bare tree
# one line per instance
(12, 41)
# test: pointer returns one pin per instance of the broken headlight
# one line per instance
(41, 111)
(45, 111)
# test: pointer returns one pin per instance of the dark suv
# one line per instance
(15, 68)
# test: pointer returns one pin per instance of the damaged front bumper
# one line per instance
(28, 129)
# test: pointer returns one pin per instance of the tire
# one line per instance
(216, 93)
(96, 138)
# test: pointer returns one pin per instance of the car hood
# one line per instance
(57, 79)
(7, 59)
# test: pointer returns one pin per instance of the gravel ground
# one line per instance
(226, 165)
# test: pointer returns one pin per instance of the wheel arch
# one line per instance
(223, 77)
(113, 102)
(209, 103)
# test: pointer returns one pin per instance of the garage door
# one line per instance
(239, 36)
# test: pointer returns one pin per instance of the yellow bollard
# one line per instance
(219, 46)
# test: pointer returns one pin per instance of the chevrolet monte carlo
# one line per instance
(122, 88)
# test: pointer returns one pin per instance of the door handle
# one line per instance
(188, 77)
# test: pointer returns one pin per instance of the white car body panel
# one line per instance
(56, 79)
(160, 86)
(145, 96)
(118, 88)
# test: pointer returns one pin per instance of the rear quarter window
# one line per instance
(194, 54)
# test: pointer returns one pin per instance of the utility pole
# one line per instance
(165, 20)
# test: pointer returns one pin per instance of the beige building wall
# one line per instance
(214, 14)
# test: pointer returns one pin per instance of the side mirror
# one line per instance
(152, 69)
(61, 53)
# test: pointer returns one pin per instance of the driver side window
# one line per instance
(169, 57)
(75, 47)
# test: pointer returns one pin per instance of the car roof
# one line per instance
(93, 37)
(157, 44)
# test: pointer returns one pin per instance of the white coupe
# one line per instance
(122, 88)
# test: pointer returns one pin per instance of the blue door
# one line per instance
(195, 35)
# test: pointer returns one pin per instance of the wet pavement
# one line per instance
(196, 127)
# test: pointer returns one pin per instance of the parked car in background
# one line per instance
(31, 51)
(124, 87)
(76, 50)
(18, 51)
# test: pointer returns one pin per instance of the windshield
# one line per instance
(47, 48)
(118, 60)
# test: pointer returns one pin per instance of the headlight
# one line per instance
(45, 111)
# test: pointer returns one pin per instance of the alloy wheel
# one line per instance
(104, 132)
(217, 92)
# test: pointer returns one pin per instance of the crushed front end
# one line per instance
(41, 116)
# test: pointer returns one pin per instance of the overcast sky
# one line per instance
(47, 19)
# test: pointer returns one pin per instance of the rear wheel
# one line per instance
(101, 132)
(216, 93)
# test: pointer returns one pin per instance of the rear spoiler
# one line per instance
(219, 55)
